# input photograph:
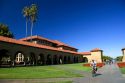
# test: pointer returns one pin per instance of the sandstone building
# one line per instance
(123, 52)
(95, 54)
(37, 50)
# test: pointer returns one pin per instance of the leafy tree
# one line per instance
(119, 58)
(3, 53)
(4, 31)
(106, 58)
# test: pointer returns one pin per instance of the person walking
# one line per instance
(94, 68)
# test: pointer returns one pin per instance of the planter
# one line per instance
(121, 64)
(98, 64)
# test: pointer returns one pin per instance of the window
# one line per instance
(19, 57)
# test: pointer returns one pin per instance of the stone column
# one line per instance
(25, 58)
(57, 59)
(62, 59)
(12, 59)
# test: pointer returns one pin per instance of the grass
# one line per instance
(62, 82)
(57, 82)
(78, 66)
(36, 72)
(122, 70)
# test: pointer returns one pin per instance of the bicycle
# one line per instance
(94, 69)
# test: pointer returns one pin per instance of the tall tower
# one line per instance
(123, 52)
(96, 54)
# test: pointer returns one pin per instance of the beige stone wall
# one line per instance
(97, 56)
(123, 60)
(88, 57)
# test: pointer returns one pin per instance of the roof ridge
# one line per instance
(96, 49)
(64, 44)
(53, 41)
(85, 53)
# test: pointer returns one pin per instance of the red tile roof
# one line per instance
(62, 44)
(52, 41)
(20, 42)
(85, 53)
(36, 37)
(96, 49)
(58, 42)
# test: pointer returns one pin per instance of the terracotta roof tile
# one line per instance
(85, 53)
(36, 37)
(52, 41)
(96, 49)
(20, 42)
(58, 42)
(62, 44)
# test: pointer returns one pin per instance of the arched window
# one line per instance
(19, 57)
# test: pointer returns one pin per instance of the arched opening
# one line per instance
(69, 59)
(32, 59)
(19, 58)
(85, 59)
(49, 60)
(55, 60)
(74, 59)
(4, 57)
(41, 59)
(65, 59)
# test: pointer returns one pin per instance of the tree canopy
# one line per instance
(4, 31)
(106, 58)
(119, 58)
(30, 13)
(33, 12)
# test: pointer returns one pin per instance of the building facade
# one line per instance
(123, 52)
(36, 50)
(95, 54)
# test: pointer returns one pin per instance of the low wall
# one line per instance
(98, 64)
(121, 64)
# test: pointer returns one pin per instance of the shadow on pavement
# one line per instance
(98, 74)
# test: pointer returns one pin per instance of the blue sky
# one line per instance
(84, 24)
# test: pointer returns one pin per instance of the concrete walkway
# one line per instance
(106, 74)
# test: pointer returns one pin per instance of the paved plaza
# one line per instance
(106, 74)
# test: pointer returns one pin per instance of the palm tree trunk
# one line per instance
(31, 30)
(26, 26)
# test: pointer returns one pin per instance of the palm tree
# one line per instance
(33, 15)
(26, 15)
